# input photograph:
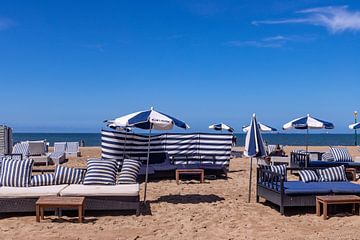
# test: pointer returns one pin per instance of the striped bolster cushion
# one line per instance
(333, 174)
(308, 176)
(341, 154)
(327, 157)
(101, 172)
(66, 175)
(129, 171)
(16, 173)
(43, 180)
(280, 169)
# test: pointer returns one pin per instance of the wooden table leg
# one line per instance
(325, 209)
(177, 177)
(318, 210)
(202, 177)
(80, 213)
(42, 212)
(37, 213)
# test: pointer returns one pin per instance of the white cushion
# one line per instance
(30, 192)
(120, 190)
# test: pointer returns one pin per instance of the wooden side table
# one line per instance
(190, 172)
(335, 200)
(60, 202)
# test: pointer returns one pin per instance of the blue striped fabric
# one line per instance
(16, 173)
(308, 176)
(333, 174)
(129, 171)
(327, 157)
(208, 148)
(21, 148)
(341, 154)
(66, 175)
(101, 172)
(280, 169)
(43, 180)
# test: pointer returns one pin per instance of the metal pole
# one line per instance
(147, 165)
(356, 115)
(250, 180)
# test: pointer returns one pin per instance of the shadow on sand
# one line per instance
(189, 199)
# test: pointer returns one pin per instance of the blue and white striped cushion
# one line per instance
(43, 180)
(327, 157)
(341, 154)
(101, 172)
(66, 175)
(308, 176)
(333, 174)
(280, 169)
(22, 148)
(129, 171)
(16, 173)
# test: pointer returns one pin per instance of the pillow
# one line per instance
(280, 169)
(129, 171)
(66, 175)
(341, 154)
(43, 180)
(327, 157)
(333, 174)
(16, 173)
(308, 176)
(101, 172)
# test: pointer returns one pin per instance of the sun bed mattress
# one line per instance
(30, 192)
(120, 190)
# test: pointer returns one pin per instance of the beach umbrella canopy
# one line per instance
(262, 127)
(254, 146)
(221, 126)
(149, 119)
(308, 122)
(354, 125)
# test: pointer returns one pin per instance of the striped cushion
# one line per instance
(341, 154)
(327, 157)
(308, 176)
(101, 172)
(22, 148)
(66, 175)
(280, 169)
(16, 173)
(129, 171)
(43, 180)
(333, 174)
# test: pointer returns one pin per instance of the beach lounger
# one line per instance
(20, 149)
(37, 152)
(72, 149)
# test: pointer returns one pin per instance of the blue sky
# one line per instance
(69, 65)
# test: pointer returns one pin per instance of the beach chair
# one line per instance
(58, 156)
(20, 151)
(72, 149)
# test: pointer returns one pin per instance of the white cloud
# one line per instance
(336, 19)
(5, 23)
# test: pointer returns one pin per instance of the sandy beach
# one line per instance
(216, 209)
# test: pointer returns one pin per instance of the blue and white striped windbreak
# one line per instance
(254, 144)
(221, 126)
(308, 122)
(354, 125)
(262, 127)
(149, 119)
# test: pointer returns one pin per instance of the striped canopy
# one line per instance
(354, 125)
(254, 144)
(221, 126)
(149, 119)
(262, 127)
(308, 122)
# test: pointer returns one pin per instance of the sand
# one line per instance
(216, 209)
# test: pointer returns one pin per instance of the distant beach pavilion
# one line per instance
(308, 122)
(221, 127)
(148, 120)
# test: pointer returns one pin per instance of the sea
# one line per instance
(290, 139)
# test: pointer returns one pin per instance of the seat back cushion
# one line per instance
(129, 171)
(280, 169)
(332, 174)
(308, 176)
(43, 180)
(101, 172)
(66, 175)
(16, 173)
(341, 154)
